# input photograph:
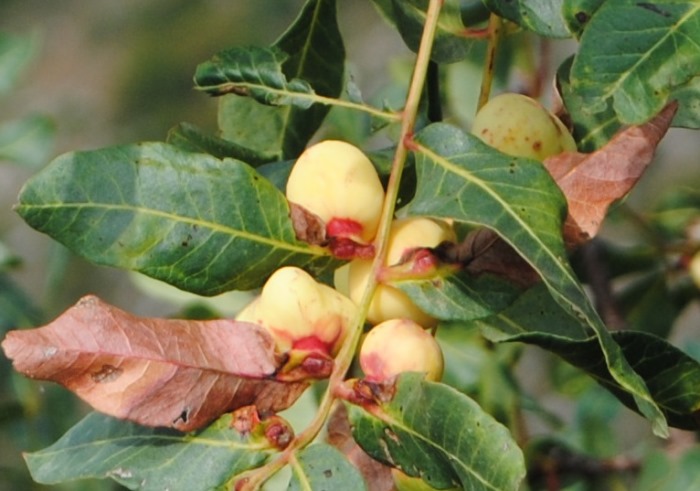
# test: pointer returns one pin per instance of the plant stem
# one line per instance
(344, 359)
(494, 29)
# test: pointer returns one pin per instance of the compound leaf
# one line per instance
(202, 224)
(591, 131)
(577, 13)
(310, 53)
(432, 431)
(255, 72)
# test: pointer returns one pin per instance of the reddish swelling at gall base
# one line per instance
(406, 239)
(336, 182)
(300, 313)
(344, 248)
(313, 343)
(340, 233)
(343, 227)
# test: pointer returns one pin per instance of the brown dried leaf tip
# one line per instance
(592, 182)
(156, 372)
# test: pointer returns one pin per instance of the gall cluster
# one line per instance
(336, 184)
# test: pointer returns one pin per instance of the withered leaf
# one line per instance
(591, 182)
(155, 372)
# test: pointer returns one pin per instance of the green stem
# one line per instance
(494, 29)
(257, 477)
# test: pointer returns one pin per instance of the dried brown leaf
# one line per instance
(591, 182)
(156, 372)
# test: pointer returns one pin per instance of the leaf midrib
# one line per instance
(469, 176)
(384, 417)
(187, 220)
(184, 439)
(587, 314)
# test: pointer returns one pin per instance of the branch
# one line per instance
(254, 479)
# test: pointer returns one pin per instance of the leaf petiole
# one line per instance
(242, 88)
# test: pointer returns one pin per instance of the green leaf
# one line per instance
(193, 139)
(591, 131)
(202, 224)
(637, 57)
(459, 297)
(146, 458)
(255, 72)
(541, 16)
(322, 466)
(461, 178)
(450, 44)
(314, 54)
(431, 430)
(27, 141)
(15, 54)
(672, 377)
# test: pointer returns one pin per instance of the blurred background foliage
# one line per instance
(79, 75)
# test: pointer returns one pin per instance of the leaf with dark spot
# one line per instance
(156, 372)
